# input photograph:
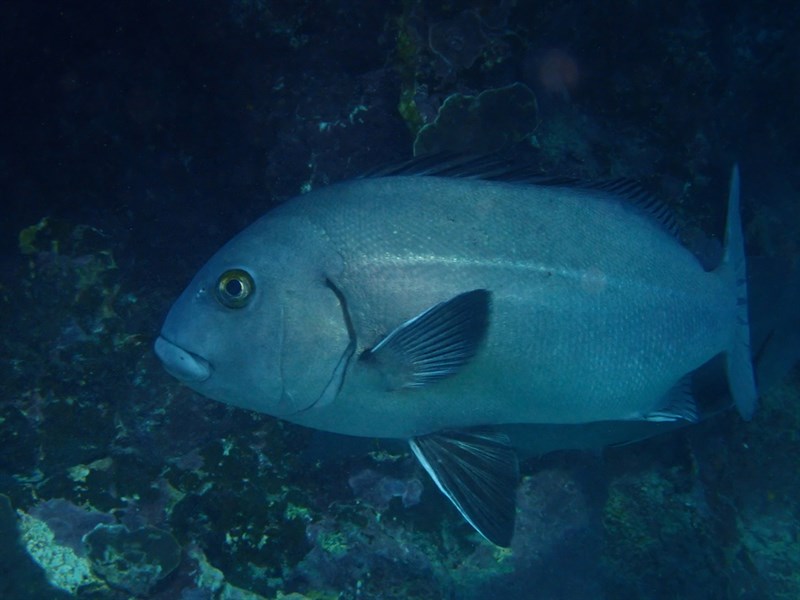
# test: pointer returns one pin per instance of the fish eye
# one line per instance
(235, 287)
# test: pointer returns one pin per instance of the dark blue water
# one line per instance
(139, 136)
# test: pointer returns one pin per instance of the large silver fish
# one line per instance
(450, 311)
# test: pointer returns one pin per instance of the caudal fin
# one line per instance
(739, 362)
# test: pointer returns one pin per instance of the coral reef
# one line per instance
(378, 490)
(63, 566)
(22, 574)
(68, 523)
(133, 561)
(458, 40)
(557, 526)
(493, 120)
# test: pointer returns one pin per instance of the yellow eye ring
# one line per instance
(235, 287)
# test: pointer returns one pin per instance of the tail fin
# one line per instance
(739, 362)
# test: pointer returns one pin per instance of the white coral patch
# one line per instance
(62, 565)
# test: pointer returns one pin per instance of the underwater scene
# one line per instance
(522, 319)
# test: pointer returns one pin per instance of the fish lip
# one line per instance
(182, 364)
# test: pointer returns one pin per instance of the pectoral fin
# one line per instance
(478, 471)
(435, 344)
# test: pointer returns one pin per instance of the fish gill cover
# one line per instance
(141, 136)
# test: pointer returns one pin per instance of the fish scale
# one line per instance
(588, 293)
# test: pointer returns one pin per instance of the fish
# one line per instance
(462, 306)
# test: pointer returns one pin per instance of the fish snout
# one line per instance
(180, 363)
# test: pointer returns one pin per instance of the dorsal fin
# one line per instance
(632, 192)
(447, 164)
(497, 168)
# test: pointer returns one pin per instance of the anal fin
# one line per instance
(478, 471)
(679, 404)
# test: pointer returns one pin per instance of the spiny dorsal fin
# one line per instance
(632, 192)
(497, 168)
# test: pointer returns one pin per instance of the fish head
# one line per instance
(260, 326)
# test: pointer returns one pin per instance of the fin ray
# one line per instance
(679, 404)
(495, 167)
(435, 344)
(738, 358)
(478, 471)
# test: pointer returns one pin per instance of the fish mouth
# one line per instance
(182, 364)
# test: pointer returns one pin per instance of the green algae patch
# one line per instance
(27, 237)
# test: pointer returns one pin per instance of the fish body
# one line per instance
(423, 307)
(596, 310)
